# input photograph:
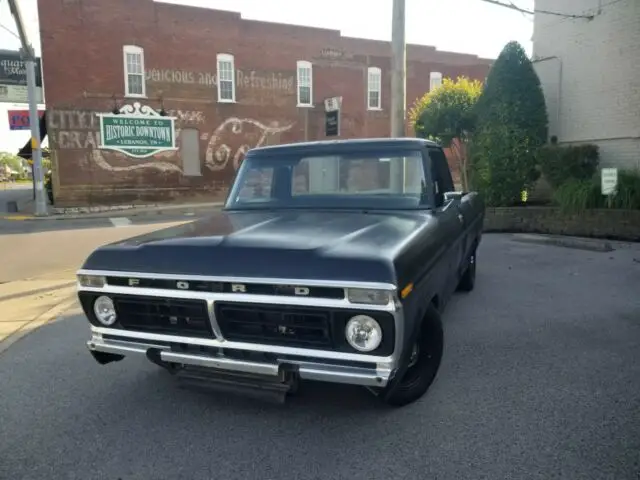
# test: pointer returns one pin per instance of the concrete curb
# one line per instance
(13, 296)
(579, 243)
(37, 322)
(126, 212)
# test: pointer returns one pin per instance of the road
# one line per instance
(539, 381)
(39, 247)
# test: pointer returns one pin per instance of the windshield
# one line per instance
(354, 180)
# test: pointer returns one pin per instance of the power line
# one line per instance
(612, 2)
(523, 13)
(511, 6)
(10, 31)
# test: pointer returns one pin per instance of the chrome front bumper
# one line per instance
(378, 375)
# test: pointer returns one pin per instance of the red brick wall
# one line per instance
(82, 44)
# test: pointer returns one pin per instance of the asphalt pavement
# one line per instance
(37, 247)
(117, 220)
(540, 380)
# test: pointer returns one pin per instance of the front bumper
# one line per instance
(333, 367)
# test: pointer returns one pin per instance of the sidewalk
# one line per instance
(26, 211)
(20, 193)
(30, 303)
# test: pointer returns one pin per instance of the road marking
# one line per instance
(120, 221)
(16, 217)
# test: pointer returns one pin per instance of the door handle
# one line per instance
(461, 218)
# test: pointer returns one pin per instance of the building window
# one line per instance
(134, 82)
(190, 152)
(374, 87)
(435, 80)
(226, 78)
(305, 84)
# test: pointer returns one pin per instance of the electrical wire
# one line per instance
(612, 2)
(522, 13)
(10, 31)
(511, 6)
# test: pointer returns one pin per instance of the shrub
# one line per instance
(511, 126)
(576, 195)
(559, 164)
(627, 194)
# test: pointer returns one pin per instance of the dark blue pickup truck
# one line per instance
(330, 261)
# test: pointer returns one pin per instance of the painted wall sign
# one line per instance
(244, 79)
(19, 119)
(264, 81)
(137, 131)
(332, 53)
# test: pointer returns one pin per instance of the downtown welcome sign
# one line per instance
(137, 131)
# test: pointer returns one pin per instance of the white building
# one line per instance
(588, 61)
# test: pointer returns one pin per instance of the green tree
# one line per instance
(12, 161)
(446, 115)
(46, 159)
(511, 127)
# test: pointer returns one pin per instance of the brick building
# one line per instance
(231, 83)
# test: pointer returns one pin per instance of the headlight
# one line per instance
(95, 281)
(368, 296)
(363, 333)
(105, 311)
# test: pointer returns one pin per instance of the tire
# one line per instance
(468, 280)
(419, 376)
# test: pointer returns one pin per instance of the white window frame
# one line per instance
(374, 71)
(134, 50)
(304, 65)
(226, 57)
(435, 80)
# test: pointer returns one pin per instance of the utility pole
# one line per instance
(398, 70)
(398, 90)
(28, 54)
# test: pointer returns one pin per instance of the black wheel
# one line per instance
(424, 363)
(468, 280)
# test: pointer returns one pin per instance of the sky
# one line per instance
(467, 26)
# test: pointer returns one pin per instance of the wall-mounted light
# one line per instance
(116, 107)
(163, 112)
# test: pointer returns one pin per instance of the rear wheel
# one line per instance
(423, 364)
(468, 280)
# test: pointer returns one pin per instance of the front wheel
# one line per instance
(423, 364)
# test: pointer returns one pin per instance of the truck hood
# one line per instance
(287, 244)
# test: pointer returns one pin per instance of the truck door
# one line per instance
(449, 212)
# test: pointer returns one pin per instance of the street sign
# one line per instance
(19, 119)
(609, 180)
(137, 131)
(13, 78)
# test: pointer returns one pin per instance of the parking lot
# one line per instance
(540, 379)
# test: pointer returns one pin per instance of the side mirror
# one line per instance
(451, 196)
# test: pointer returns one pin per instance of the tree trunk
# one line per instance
(459, 150)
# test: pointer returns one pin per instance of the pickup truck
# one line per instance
(331, 261)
